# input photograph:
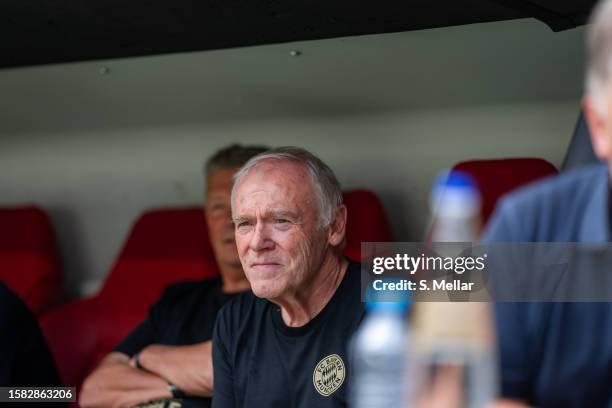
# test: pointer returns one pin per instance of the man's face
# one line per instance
(219, 217)
(600, 125)
(280, 241)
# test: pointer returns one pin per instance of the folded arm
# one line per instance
(187, 367)
(115, 383)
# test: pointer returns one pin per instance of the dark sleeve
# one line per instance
(146, 333)
(223, 389)
(25, 348)
(511, 317)
(161, 322)
(142, 336)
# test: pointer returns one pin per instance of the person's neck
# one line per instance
(302, 306)
(233, 279)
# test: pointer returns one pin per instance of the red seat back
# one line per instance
(164, 246)
(367, 222)
(497, 177)
(29, 263)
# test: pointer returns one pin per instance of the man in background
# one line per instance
(168, 356)
(560, 354)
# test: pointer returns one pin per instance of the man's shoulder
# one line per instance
(242, 304)
(353, 278)
(571, 186)
(185, 289)
(13, 311)
(539, 210)
(237, 317)
(7, 297)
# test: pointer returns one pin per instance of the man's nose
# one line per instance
(261, 239)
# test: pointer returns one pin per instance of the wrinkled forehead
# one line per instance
(275, 184)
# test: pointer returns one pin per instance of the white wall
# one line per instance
(386, 112)
(94, 184)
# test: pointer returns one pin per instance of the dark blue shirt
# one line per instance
(556, 354)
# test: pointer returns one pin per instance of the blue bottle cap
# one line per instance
(387, 300)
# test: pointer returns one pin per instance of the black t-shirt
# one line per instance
(261, 362)
(184, 315)
(25, 359)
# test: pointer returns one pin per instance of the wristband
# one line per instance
(176, 391)
(137, 361)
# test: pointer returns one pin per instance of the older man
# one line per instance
(285, 344)
(560, 354)
(168, 357)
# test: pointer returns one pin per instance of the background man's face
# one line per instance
(219, 216)
(600, 125)
(278, 233)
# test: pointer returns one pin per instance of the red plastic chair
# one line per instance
(29, 263)
(367, 222)
(165, 246)
(497, 177)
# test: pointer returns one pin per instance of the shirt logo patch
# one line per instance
(329, 375)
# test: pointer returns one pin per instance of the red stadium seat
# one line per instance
(497, 177)
(165, 246)
(367, 222)
(29, 263)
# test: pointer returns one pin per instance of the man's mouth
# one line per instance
(265, 266)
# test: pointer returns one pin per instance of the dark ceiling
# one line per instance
(55, 31)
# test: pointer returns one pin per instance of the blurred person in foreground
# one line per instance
(25, 359)
(285, 344)
(560, 354)
(167, 358)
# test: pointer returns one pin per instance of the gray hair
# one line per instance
(324, 181)
(232, 156)
(599, 62)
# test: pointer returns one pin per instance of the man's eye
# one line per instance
(282, 224)
(242, 224)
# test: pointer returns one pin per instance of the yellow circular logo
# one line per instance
(329, 375)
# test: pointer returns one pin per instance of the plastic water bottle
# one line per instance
(455, 340)
(378, 357)
(455, 208)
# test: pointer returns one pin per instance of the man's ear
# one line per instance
(598, 128)
(337, 228)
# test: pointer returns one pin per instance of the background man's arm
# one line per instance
(115, 383)
(187, 367)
